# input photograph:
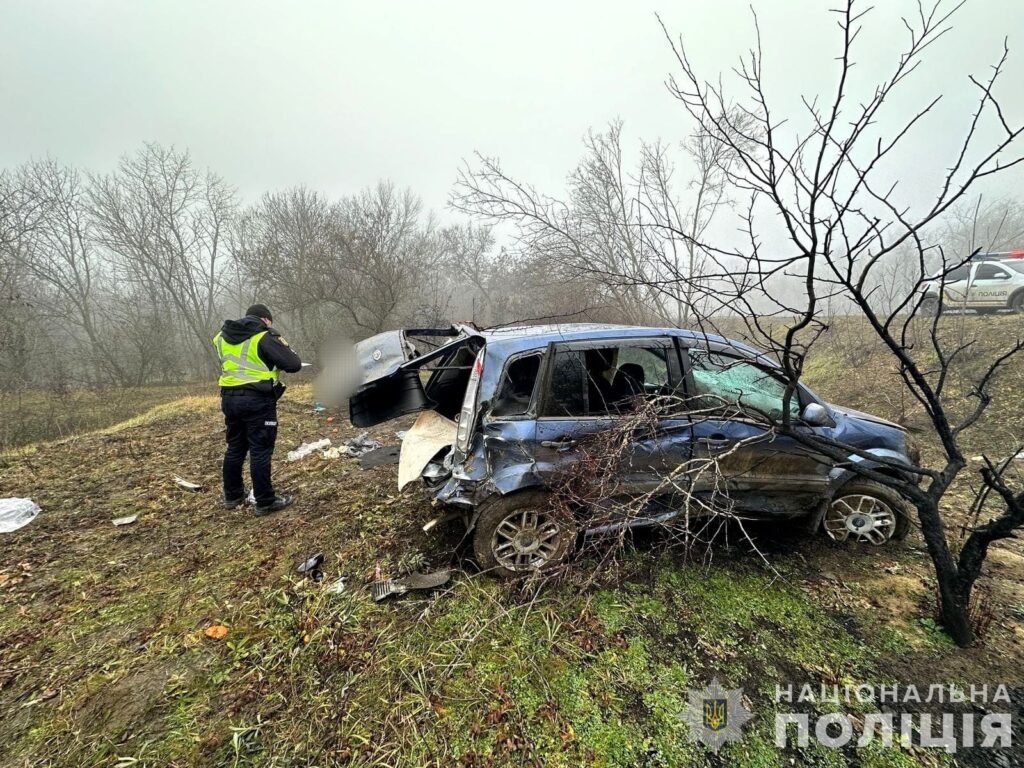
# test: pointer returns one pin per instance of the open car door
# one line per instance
(393, 382)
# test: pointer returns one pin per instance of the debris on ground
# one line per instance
(311, 567)
(360, 444)
(188, 485)
(128, 520)
(318, 407)
(379, 457)
(413, 581)
(216, 631)
(337, 586)
(400, 434)
(307, 448)
(16, 513)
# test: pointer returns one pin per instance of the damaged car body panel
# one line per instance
(392, 382)
(524, 404)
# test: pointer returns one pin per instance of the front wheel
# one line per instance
(521, 533)
(1017, 303)
(866, 511)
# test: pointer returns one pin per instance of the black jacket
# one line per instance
(273, 350)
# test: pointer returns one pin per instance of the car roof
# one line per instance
(515, 338)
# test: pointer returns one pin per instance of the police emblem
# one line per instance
(716, 715)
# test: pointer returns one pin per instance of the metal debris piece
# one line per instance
(119, 521)
(359, 445)
(311, 567)
(399, 586)
(188, 485)
(337, 586)
(378, 457)
(400, 434)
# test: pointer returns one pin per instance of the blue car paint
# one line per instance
(506, 455)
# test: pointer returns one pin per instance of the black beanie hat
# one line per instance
(259, 310)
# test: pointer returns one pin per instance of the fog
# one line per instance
(339, 95)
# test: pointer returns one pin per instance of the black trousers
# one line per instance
(251, 427)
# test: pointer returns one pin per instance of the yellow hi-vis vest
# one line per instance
(240, 363)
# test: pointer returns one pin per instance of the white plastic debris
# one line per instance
(307, 448)
(188, 485)
(16, 513)
(119, 521)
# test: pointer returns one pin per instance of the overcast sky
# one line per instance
(338, 94)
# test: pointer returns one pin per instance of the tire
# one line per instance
(885, 514)
(1017, 303)
(521, 533)
(929, 306)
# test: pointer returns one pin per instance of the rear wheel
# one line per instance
(929, 306)
(865, 511)
(1017, 303)
(521, 533)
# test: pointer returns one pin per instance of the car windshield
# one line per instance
(1016, 266)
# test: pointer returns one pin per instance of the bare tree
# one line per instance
(602, 232)
(842, 218)
(167, 224)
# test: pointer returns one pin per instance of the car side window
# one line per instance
(566, 396)
(726, 382)
(517, 384)
(958, 274)
(990, 272)
(608, 381)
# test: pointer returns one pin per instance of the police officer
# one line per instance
(251, 354)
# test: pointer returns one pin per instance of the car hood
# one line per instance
(868, 417)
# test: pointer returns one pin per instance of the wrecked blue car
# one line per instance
(507, 414)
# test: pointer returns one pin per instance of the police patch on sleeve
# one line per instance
(283, 340)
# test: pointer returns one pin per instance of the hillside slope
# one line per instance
(103, 655)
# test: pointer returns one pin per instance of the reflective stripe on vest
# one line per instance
(240, 363)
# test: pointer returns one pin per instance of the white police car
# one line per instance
(988, 283)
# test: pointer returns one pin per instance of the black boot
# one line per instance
(276, 505)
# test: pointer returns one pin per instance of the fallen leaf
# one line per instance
(216, 631)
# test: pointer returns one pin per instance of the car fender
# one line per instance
(841, 475)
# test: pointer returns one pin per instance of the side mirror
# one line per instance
(816, 415)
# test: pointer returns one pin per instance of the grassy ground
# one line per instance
(34, 415)
(104, 659)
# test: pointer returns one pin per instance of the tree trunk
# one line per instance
(954, 592)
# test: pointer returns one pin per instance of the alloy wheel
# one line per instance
(526, 539)
(860, 517)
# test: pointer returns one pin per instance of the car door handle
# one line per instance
(558, 445)
(715, 440)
